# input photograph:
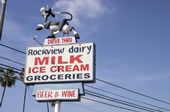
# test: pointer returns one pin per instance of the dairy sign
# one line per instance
(60, 63)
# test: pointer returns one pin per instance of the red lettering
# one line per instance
(77, 58)
(66, 40)
(68, 93)
(56, 94)
(42, 69)
(64, 93)
(68, 68)
(60, 68)
(35, 70)
(38, 60)
(76, 68)
(50, 94)
(84, 67)
(60, 60)
(39, 94)
(29, 70)
(49, 41)
(53, 69)
(53, 60)
(73, 93)
(46, 93)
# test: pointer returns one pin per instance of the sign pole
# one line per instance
(57, 106)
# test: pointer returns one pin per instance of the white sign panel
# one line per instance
(56, 86)
(48, 95)
(62, 40)
(62, 63)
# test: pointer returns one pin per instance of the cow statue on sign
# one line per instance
(56, 27)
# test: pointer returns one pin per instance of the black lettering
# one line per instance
(53, 77)
(60, 51)
(30, 51)
(60, 76)
(29, 78)
(39, 52)
(37, 78)
(79, 76)
(35, 52)
(45, 77)
(67, 76)
(76, 50)
(55, 51)
(87, 75)
(71, 50)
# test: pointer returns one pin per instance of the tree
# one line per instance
(7, 79)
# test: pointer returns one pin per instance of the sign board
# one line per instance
(61, 63)
(61, 40)
(53, 86)
(49, 95)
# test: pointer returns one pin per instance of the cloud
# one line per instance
(87, 9)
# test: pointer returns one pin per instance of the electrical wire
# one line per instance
(120, 101)
(133, 91)
(128, 98)
(10, 67)
(110, 104)
(15, 68)
(12, 48)
(103, 81)
(11, 60)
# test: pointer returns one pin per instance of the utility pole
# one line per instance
(2, 16)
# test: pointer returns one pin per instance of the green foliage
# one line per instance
(21, 75)
(7, 78)
(52, 104)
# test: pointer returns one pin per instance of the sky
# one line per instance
(132, 48)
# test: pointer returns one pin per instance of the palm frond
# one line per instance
(21, 75)
(10, 72)
(1, 71)
(3, 84)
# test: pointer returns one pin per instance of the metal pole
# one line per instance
(25, 95)
(57, 106)
(2, 16)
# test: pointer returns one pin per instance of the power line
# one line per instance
(12, 48)
(11, 60)
(133, 91)
(120, 101)
(110, 104)
(7, 68)
(127, 98)
(10, 67)
(103, 82)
